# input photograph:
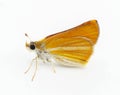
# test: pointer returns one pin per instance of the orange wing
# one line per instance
(88, 30)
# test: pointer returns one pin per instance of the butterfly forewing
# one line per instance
(88, 29)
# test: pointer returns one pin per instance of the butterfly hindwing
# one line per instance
(73, 49)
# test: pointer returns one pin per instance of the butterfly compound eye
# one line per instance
(32, 46)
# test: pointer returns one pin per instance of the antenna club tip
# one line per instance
(26, 34)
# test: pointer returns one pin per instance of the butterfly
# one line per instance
(72, 47)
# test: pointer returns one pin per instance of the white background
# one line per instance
(40, 18)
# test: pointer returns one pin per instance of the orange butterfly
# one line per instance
(72, 47)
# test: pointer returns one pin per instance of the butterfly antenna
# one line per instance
(27, 36)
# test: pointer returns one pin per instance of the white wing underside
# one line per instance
(66, 62)
(46, 58)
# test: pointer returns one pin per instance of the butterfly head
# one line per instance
(30, 45)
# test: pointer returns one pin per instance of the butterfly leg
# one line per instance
(30, 65)
(53, 65)
(48, 60)
(36, 67)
